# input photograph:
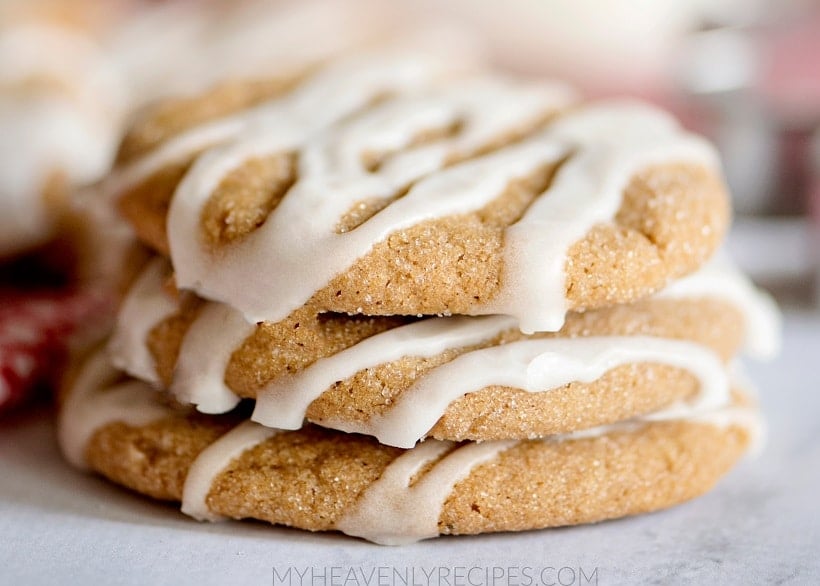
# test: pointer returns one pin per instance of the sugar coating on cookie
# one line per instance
(390, 495)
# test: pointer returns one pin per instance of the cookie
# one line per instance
(361, 373)
(462, 200)
(61, 107)
(320, 480)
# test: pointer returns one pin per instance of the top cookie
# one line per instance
(469, 196)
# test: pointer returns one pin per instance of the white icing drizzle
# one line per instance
(332, 179)
(204, 356)
(610, 144)
(538, 366)
(535, 365)
(146, 304)
(340, 89)
(284, 401)
(721, 279)
(607, 143)
(390, 512)
(212, 461)
(92, 404)
(339, 153)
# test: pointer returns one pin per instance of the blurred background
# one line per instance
(746, 73)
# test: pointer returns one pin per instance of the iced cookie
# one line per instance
(479, 196)
(323, 480)
(450, 378)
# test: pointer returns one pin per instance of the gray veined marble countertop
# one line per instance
(761, 525)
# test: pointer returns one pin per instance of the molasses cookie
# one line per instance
(482, 195)
(450, 378)
(320, 480)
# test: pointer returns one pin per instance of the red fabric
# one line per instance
(35, 329)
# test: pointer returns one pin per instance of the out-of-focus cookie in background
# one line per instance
(61, 105)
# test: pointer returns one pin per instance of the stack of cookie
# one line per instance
(399, 301)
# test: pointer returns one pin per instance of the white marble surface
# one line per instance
(759, 526)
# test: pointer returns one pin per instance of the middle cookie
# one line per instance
(447, 378)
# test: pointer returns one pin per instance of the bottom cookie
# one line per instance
(317, 479)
